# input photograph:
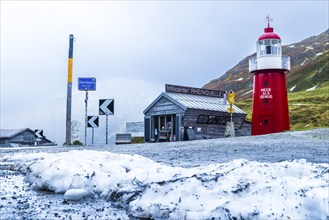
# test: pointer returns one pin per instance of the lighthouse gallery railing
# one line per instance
(285, 63)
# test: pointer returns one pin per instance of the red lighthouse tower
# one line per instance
(270, 113)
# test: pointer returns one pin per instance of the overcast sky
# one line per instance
(137, 45)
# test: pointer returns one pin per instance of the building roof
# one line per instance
(9, 133)
(269, 34)
(188, 101)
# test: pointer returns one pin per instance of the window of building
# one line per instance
(212, 119)
(269, 47)
(265, 101)
(162, 122)
(260, 48)
(274, 50)
(265, 83)
(267, 42)
(265, 121)
(203, 119)
(28, 138)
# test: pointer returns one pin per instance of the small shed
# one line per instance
(18, 137)
(186, 113)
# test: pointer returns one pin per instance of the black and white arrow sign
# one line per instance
(93, 121)
(106, 106)
(38, 133)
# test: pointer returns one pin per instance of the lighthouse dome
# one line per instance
(269, 34)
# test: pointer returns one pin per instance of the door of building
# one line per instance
(265, 124)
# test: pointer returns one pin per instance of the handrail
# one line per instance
(253, 63)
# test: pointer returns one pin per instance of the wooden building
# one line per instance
(21, 137)
(185, 113)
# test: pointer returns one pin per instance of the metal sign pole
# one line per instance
(106, 107)
(229, 131)
(86, 118)
(92, 137)
(69, 93)
(107, 129)
(231, 109)
(86, 84)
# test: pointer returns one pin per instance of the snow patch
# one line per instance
(292, 88)
(308, 48)
(291, 46)
(75, 194)
(304, 62)
(247, 92)
(239, 79)
(239, 189)
(318, 54)
(313, 88)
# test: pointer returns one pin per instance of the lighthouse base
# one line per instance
(270, 113)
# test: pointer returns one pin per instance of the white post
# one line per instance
(86, 117)
(107, 128)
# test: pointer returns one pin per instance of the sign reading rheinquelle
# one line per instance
(194, 91)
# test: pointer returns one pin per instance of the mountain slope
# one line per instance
(307, 109)
(307, 82)
(309, 68)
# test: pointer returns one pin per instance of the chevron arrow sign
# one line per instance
(106, 106)
(93, 121)
(38, 133)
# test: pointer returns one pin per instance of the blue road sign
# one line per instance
(87, 84)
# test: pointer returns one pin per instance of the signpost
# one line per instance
(230, 132)
(106, 107)
(38, 133)
(69, 93)
(93, 122)
(86, 84)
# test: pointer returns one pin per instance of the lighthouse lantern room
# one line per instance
(270, 112)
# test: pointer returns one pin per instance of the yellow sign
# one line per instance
(230, 110)
(231, 96)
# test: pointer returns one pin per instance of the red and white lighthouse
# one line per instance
(270, 113)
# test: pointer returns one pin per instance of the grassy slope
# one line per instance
(307, 109)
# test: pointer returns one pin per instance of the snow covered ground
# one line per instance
(278, 176)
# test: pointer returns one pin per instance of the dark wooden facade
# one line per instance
(21, 137)
(17, 136)
(214, 124)
(174, 118)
